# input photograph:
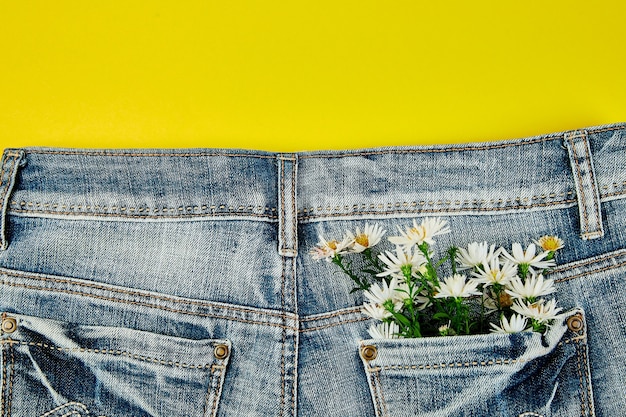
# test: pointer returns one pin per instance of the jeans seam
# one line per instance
(143, 304)
(107, 351)
(469, 209)
(145, 154)
(141, 294)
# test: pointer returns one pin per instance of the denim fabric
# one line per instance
(178, 282)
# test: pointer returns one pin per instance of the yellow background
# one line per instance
(305, 75)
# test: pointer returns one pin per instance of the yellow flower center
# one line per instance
(333, 244)
(549, 243)
(362, 240)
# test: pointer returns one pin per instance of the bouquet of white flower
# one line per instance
(503, 292)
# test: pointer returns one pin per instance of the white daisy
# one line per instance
(534, 286)
(540, 311)
(370, 236)
(528, 257)
(494, 273)
(384, 331)
(518, 323)
(376, 311)
(379, 295)
(476, 254)
(327, 249)
(457, 286)
(394, 263)
(418, 234)
(550, 243)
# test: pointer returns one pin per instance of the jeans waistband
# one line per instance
(584, 167)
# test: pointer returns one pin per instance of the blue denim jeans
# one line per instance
(178, 282)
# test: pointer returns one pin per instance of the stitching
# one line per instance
(172, 310)
(140, 294)
(587, 379)
(11, 372)
(332, 314)
(436, 203)
(114, 352)
(294, 204)
(284, 337)
(582, 202)
(595, 271)
(469, 209)
(380, 392)
(518, 142)
(10, 170)
(580, 381)
(434, 150)
(135, 216)
(4, 379)
(310, 329)
(218, 377)
(282, 204)
(203, 207)
(593, 186)
(471, 364)
(604, 257)
(296, 337)
(106, 153)
(81, 405)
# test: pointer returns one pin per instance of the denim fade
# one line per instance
(177, 282)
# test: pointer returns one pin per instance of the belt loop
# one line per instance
(587, 192)
(287, 216)
(12, 159)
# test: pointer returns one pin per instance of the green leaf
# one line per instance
(438, 316)
(401, 318)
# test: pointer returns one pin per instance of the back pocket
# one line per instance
(52, 368)
(522, 374)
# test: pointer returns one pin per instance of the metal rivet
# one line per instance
(9, 324)
(369, 352)
(575, 323)
(220, 351)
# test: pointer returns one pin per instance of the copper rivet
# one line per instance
(575, 323)
(369, 352)
(220, 351)
(9, 324)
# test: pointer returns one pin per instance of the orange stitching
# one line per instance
(296, 337)
(172, 310)
(141, 294)
(604, 257)
(114, 352)
(379, 391)
(595, 271)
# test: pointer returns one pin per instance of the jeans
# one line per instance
(179, 283)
